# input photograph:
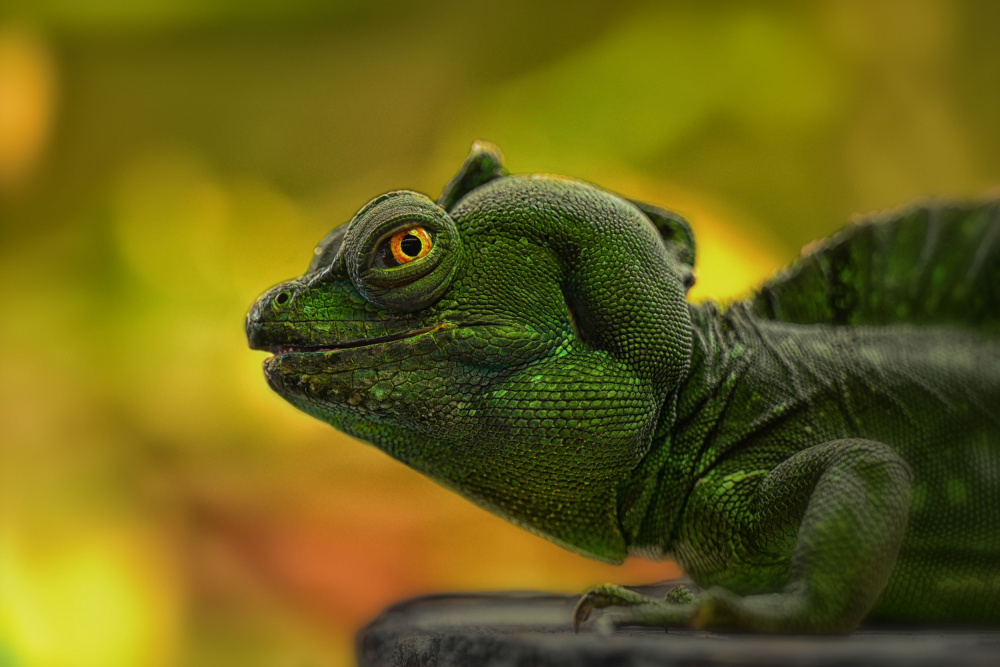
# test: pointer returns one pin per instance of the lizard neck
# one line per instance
(718, 362)
(653, 499)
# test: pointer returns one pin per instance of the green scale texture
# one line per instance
(825, 451)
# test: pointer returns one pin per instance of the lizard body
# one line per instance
(765, 390)
(826, 450)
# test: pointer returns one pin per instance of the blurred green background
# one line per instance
(162, 163)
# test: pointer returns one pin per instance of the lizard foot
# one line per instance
(626, 607)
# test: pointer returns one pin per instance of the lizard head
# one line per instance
(515, 340)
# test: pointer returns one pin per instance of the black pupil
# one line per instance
(410, 245)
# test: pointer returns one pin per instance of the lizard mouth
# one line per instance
(280, 350)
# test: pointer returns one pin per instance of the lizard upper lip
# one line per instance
(278, 350)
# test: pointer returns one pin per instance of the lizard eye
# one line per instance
(410, 244)
(386, 239)
(405, 246)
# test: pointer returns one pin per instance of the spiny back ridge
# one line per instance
(934, 263)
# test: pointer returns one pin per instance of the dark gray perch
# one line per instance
(522, 629)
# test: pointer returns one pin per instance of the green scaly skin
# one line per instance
(824, 452)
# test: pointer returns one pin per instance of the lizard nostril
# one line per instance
(282, 298)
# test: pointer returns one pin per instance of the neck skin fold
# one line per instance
(652, 501)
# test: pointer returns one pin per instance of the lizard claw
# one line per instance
(626, 607)
(582, 610)
(599, 597)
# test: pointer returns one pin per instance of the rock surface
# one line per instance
(521, 629)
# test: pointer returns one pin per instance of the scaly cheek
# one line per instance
(494, 348)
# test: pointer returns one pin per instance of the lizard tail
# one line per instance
(935, 263)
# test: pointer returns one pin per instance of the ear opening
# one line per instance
(677, 236)
(485, 163)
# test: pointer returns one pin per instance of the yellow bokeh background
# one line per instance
(163, 163)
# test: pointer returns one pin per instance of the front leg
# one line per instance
(828, 521)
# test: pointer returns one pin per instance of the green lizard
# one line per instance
(824, 451)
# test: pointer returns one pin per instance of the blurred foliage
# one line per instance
(161, 163)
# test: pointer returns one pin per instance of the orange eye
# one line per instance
(410, 244)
